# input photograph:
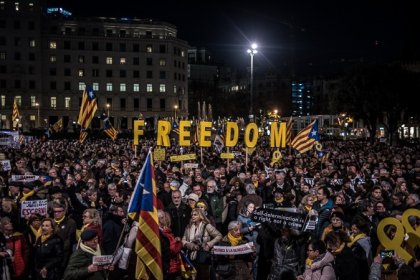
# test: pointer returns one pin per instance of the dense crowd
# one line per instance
(88, 188)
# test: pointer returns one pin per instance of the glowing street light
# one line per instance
(38, 115)
(175, 109)
(251, 52)
(107, 107)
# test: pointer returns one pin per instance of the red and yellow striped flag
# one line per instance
(88, 107)
(83, 135)
(143, 203)
(15, 113)
(289, 129)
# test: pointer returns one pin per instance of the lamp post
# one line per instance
(252, 51)
(175, 109)
(107, 107)
(38, 115)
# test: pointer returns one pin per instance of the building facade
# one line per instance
(47, 56)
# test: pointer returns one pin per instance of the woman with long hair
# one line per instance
(248, 227)
(92, 220)
(48, 252)
(200, 235)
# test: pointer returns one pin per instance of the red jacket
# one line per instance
(17, 244)
(174, 248)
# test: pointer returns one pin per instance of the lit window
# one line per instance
(149, 88)
(18, 100)
(95, 86)
(3, 101)
(109, 60)
(53, 58)
(182, 53)
(162, 88)
(108, 86)
(33, 101)
(53, 102)
(136, 87)
(81, 73)
(81, 86)
(174, 89)
(32, 118)
(149, 48)
(122, 60)
(53, 45)
(123, 87)
(32, 43)
(67, 102)
(16, 6)
(2, 56)
(162, 62)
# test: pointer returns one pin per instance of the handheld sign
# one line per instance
(102, 260)
(34, 207)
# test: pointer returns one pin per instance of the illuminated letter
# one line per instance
(251, 143)
(164, 127)
(278, 136)
(184, 134)
(205, 134)
(138, 131)
(232, 134)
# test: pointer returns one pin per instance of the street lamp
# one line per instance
(38, 114)
(107, 107)
(252, 51)
(175, 108)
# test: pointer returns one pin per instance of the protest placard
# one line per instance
(190, 165)
(102, 260)
(30, 207)
(280, 218)
(5, 165)
(234, 250)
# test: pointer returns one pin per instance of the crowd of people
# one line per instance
(88, 188)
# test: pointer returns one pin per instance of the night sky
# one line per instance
(325, 32)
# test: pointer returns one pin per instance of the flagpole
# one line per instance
(246, 159)
(201, 154)
(228, 158)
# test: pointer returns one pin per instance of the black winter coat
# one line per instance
(49, 254)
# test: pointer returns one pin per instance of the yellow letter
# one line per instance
(205, 134)
(138, 131)
(278, 136)
(231, 128)
(251, 143)
(184, 134)
(164, 127)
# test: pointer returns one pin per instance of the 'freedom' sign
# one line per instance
(34, 207)
(280, 218)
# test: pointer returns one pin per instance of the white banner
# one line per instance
(24, 178)
(5, 165)
(190, 165)
(234, 250)
(34, 207)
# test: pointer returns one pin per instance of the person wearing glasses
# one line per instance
(319, 264)
(81, 262)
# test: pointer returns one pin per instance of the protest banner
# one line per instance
(159, 154)
(30, 207)
(280, 218)
(190, 165)
(183, 157)
(227, 155)
(234, 250)
(102, 260)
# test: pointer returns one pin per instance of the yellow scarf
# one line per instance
(309, 262)
(58, 222)
(355, 238)
(279, 200)
(37, 233)
(234, 241)
(339, 249)
(255, 184)
(308, 208)
(26, 196)
(45, 237)
(92, 204)
(89, 250)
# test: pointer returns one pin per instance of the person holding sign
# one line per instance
(81, 262)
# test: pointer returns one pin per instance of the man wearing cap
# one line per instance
(80, 265)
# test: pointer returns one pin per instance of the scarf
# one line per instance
(25, 196)
(279, 200)
(309, 262)
(308, 208)
(89, 250)
(59, 221)
(234, 241)
(37, 233)
(45, 237)
(354, 239)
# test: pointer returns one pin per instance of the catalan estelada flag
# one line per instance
(108, 128)
(88, 107)
(306, 138)
(143, 207)
(15, 113)
(289, 127)
(58, 126)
